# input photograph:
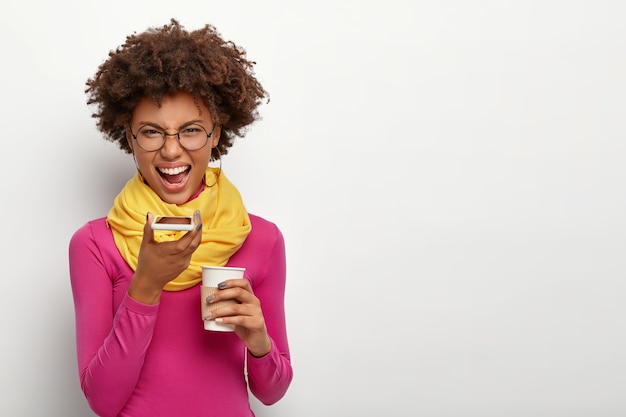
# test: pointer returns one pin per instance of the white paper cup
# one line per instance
(211, 276)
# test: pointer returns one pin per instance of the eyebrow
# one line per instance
(191, 122)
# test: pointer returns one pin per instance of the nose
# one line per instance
(171, 148)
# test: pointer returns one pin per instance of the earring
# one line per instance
(137, 166)
(219, 169)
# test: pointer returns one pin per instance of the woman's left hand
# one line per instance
(246, 315)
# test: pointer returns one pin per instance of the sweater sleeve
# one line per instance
(111, 342)
(270, 376)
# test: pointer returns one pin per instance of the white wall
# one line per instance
(449, 176)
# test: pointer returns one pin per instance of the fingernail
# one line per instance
(207, 317)
(219, 320)
(221, 285)
(199, 227)
(210, 298)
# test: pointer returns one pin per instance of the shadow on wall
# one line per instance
(59, 357)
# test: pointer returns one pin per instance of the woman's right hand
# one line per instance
(161, 262)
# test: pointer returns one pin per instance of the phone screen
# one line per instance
(174, 220)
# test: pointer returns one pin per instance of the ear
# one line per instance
(215, 137)
(129, 139)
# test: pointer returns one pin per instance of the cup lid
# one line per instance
(225, 268)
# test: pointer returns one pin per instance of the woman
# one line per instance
(175, 100)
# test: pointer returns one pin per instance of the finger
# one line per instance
(235, 293)
(148, 233)
(235, 310)
(235, 283)
(240, 315)
(198, 219)
(197, 232)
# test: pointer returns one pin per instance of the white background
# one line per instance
(449, 176)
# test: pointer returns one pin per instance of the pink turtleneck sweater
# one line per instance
(157, 360)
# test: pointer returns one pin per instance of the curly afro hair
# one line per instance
(169, 59)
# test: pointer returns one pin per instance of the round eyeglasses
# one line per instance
(191, 137)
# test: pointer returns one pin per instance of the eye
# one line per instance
(193, 132)
(150, 132)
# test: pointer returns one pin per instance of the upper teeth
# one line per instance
(173, 171)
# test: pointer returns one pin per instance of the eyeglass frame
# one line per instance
(177, 134)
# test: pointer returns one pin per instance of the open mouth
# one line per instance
(174, 175)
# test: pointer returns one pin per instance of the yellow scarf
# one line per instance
(225, 223)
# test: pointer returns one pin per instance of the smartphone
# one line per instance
(175, 223)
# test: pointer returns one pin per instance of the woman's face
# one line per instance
(173, 172)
